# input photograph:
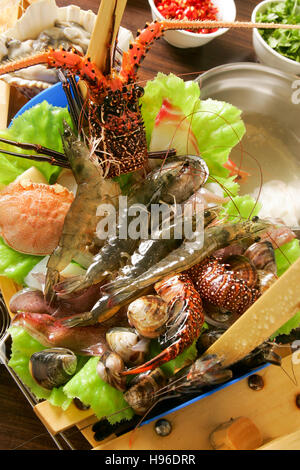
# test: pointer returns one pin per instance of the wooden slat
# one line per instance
(57, 420)
(276, 306)
(289, 442)
(273, 410)
(85, 428)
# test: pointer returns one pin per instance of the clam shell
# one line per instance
(122, 341)
(109, 369)
(39, 17)
(148, 315)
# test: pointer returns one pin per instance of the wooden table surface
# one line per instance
(18, 422)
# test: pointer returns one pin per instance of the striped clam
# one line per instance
(148, 314)
(52, 367)
(109, 369)
(127, 343)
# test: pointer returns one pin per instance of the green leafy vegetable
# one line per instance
(286, 255)
(105, 400)
(23, 346)
(218, 128)
(182, 94)
(217, 125)
(15, 265)
(285, 42)
(42, 125)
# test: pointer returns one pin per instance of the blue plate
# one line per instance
(56, 96)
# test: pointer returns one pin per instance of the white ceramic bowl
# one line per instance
(265, 53)
(185, 39)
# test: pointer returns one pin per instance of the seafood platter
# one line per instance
(148, 283)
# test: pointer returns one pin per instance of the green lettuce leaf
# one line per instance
(105, 400)
(23, 346)
(41, 125)
(285, 255)
(183, 94)
(15, 265)
(217, 125)
(241, 207)
(229, 185)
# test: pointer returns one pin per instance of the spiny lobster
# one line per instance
(114, 113)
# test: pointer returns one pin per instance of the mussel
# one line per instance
(52, 367)
(148, 315)
(127, 343)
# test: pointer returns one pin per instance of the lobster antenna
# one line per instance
(171, 24)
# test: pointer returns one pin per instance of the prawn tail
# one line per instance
(113, 288)
(70, 285)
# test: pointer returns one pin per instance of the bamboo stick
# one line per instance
(105, 31)
(104, 35)
(4, 104)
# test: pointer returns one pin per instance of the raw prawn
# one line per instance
(81, 220)
(187, 255)
(177, 179)
(151, 251)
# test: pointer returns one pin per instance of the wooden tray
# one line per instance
(273, 409)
